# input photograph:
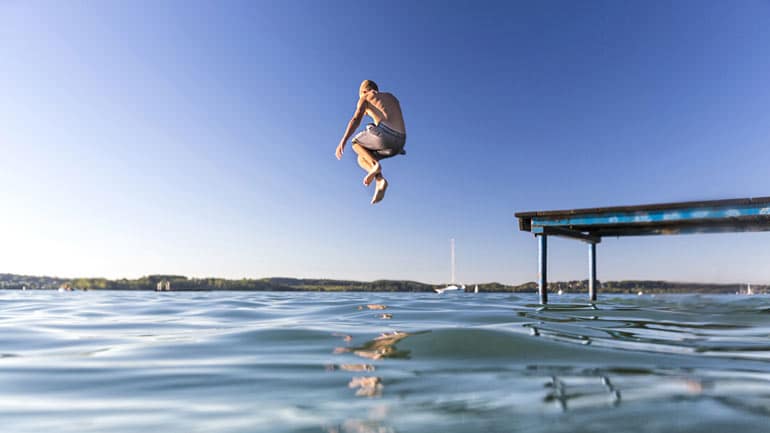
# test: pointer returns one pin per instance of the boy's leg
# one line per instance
(374, 171)
(368, 163)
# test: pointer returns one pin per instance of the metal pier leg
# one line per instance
(592, 271)
(542, 271)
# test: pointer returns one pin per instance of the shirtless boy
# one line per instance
(382, 139)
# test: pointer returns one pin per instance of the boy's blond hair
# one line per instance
(368, 85)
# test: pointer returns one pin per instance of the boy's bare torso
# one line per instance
(384, 107)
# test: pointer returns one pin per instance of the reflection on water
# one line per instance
(581, 393)
(303, 362)
(368, 386)
(383, 346)
(360, 426)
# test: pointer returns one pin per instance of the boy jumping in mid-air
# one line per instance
(382, 139)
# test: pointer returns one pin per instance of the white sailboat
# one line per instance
(748, 291)
(452, 287)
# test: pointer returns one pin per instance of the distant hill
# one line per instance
(182, 283)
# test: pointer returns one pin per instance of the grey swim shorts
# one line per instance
(381, 141)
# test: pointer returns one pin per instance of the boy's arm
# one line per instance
(352, 126)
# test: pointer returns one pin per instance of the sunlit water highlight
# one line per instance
(318, 362)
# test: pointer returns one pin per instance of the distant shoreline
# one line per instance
(182, 283)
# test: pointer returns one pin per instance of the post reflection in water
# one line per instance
(579, 391)
(584, 394)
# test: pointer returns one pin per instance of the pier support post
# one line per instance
(542, 270)
(592, 271)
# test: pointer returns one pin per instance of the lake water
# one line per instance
(317, 362)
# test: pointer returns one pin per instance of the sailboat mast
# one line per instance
(452, 242)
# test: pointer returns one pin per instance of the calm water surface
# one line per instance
(320, 362)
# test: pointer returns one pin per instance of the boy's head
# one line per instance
(366, 86)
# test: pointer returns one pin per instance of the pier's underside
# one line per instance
(590, 225)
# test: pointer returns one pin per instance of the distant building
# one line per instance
(163, 286)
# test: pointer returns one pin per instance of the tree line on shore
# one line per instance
(182, 283)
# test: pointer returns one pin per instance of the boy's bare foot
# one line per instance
(372, 174)
(379, 192)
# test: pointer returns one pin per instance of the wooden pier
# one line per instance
(591, 225)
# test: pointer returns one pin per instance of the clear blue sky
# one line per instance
(198, 137)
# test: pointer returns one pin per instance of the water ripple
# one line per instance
(296, 362)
